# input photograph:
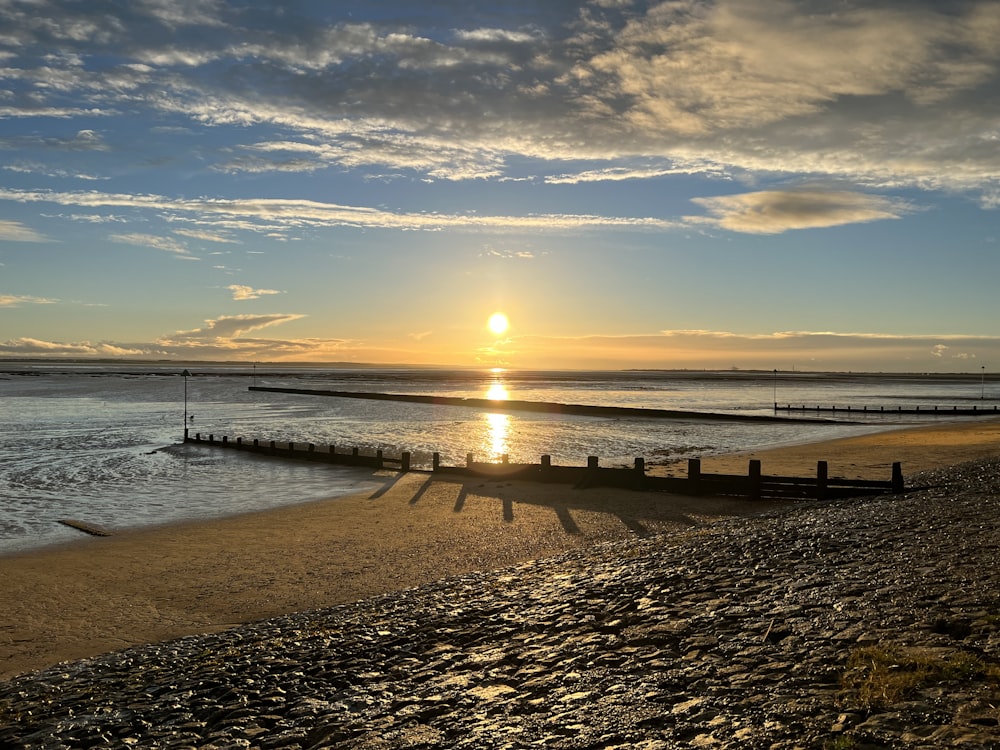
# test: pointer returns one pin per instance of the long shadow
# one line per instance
(386, 486)
(632, 525)
(460, 500)
(508, 510)
(568, 524)
(635, 512)
(421, 490)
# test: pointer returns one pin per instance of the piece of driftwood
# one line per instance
(86, 528)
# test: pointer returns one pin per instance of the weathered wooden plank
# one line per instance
(87, 528)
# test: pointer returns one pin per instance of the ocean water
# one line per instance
(102, 442)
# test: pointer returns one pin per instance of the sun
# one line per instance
(498, 324)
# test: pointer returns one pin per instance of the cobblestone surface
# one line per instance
(734, 635)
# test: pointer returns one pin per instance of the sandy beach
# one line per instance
(145, 586)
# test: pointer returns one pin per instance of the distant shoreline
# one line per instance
(246, 367)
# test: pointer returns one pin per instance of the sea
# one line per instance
(102, 442)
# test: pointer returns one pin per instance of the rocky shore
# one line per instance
(870, 623)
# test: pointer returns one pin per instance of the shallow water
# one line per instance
(102, 443)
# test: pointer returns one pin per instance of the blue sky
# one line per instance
(754, 184)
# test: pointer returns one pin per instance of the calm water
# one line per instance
(101, 443)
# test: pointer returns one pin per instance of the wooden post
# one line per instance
(312, 447)
(378, 458)
(468, 460)
(355, 452)
(821, 479)
(505, 459)
(592, 462)
(256, 442)
(435, 461)
(291, 445)
(404, 461)
(546, 467)
(897, 478)
(239, 441)
(753, 472)
(694, 475)
(640, 472)
(225, 439)
(272, 447)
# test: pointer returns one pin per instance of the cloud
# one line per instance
(230, 327)
(37, 168)
(889, 94)
(17, 300)
(491, 251)
(220, 338)
(620, 174)
(776, 211)
(166, 244)
(199, 234)
(36, 347)
(84, 140)
(241, 292)
(15, 231)
(263, 214)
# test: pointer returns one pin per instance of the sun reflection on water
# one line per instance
(498, 434)
(498, 425)
(497, 391)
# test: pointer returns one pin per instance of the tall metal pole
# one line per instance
(982, 392)
(185, 374)
(775, 388)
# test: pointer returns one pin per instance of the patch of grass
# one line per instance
(843, 742)
(879, 676)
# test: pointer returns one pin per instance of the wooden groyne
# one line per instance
(927, 411)
(546, 407)
(754, 484)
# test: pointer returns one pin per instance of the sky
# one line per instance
(752, 184)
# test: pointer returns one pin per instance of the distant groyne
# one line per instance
(927, 411)
(546, 407)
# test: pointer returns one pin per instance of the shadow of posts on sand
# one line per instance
(641, 513)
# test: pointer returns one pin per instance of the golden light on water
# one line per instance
(498, 425)
(497, 392)
(498, 434)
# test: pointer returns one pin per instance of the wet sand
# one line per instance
(146, 586)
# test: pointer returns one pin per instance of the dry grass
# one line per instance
(879, 676)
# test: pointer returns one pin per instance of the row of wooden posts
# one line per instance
(926, 411)
(754, 484)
